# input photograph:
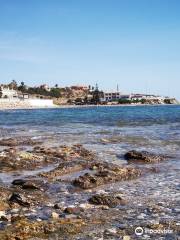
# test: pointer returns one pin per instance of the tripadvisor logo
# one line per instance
(139, 231)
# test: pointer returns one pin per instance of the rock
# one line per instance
(143, 156)
(55, 215)
(105, 207)
(16, 198)
(126, 237)
(12, 142)
(57, 206)
(70, 216)
(26, 184)
(18, 182)
(141, 216)
(73, 210)
(4, 218)
(85, 205)
(30, 185)
(110, 231)
(2, 213)
(16, 218)
(106, 176)
(109, 200)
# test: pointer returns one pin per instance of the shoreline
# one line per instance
(4, 108)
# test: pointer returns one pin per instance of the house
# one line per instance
(6, 92)
(110, 96)
(115, 96)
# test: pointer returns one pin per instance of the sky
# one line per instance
(132, 43)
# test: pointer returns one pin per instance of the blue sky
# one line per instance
(133, 43)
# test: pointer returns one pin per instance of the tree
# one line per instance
(13, 85)
(22, 87)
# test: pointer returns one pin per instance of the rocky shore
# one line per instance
(67, 192)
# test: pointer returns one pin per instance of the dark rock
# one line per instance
(4, 219)
(57, 206)
(103, 199)
(18, 182)
(16, 198)
(26, 184)
(143, 156)
(30, 186)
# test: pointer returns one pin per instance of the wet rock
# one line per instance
(143, 156)
(30, 185)
(66, 152)
(11, 142)
(106, 176)
(57, 206)
(4, 219)
(18, 182)
(26, 184)
(73, 210)
(64, 168)
(108, 200)
(17, 160)
(16, 198)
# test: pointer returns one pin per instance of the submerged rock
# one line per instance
(143, 156)
(108, 200)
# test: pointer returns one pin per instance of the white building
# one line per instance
(5, 92)
(114, 96)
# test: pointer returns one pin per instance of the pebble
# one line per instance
(110, 231)
(141, 216)
(69, 216)
(105, 207)
(85, 205)
(126, 237)
(55, 215)
(15, 210)
(39, 220)
(122, 226)
(176, 210)
(2, 213)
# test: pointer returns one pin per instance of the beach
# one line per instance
(90, 173)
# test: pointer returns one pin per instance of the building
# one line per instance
(6, 92)
(110, 96)
(115, 96)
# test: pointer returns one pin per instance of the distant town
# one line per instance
(14, 95)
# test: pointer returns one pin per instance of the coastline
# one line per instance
(27, 107)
